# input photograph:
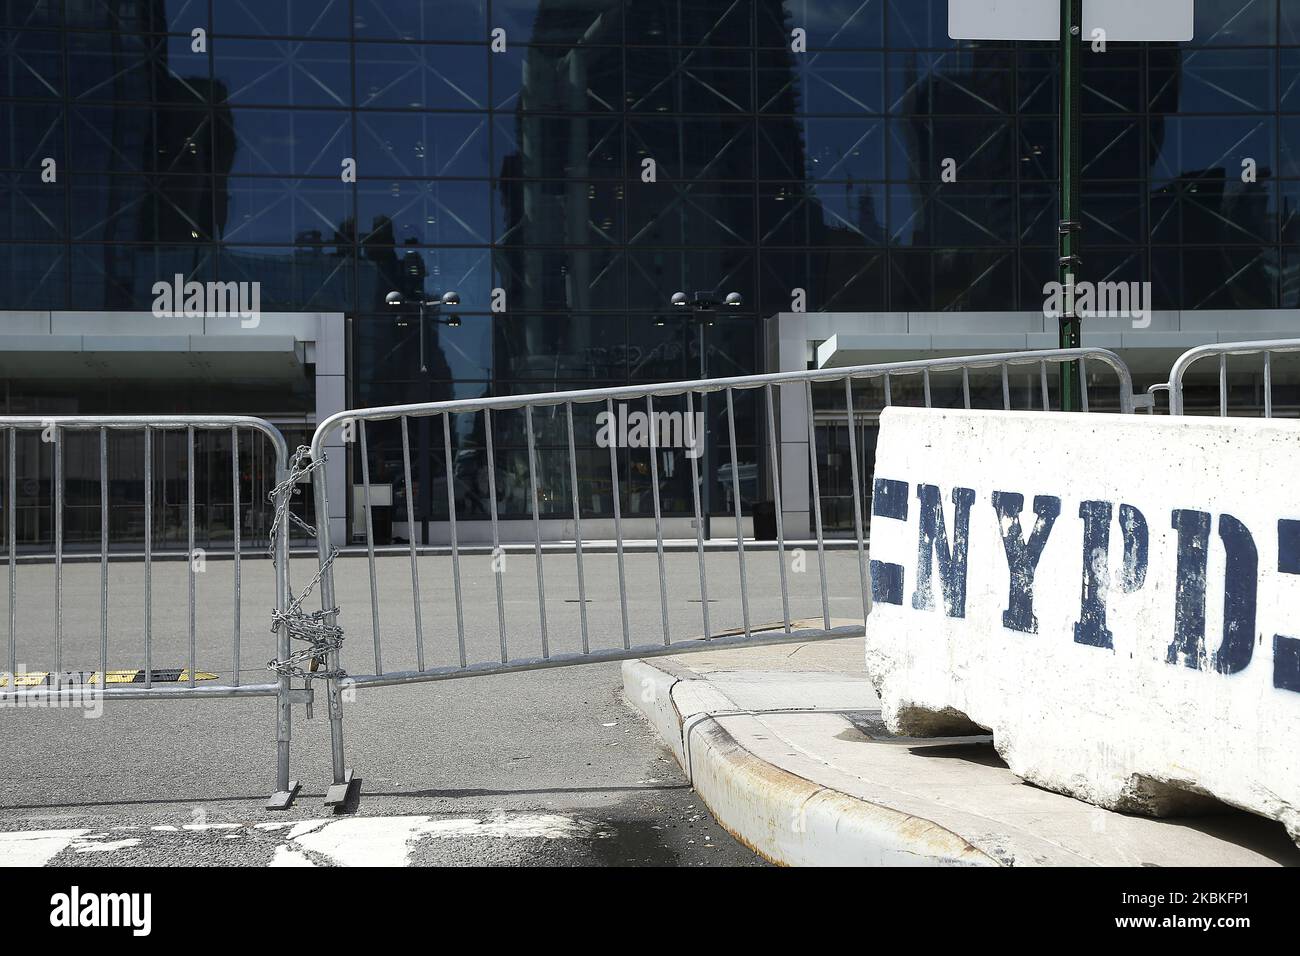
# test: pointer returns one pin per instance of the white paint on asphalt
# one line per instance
(96, 845)
(287, 856)
(348, 841)
(35, 847)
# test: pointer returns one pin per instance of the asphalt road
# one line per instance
(543, 767)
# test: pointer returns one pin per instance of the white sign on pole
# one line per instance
(1123, 20)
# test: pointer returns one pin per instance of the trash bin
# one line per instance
(765, 521)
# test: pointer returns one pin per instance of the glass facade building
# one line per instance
(567, 165)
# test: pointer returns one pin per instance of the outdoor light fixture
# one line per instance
(396, 300)
(706, 302)
(703, 304)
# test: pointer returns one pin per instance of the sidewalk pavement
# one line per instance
(786, 747)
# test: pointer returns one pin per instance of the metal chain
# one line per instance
(314, 629)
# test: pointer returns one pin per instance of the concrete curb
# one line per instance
(786, 819)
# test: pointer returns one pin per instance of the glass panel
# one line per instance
(846, 280)
(541, 78)
(821, 83)
(424, 212)
(281, 18)
(34, 276)
(699, 80)
(535, 279)
(979, 214)
(1236, 22)
(148, 69)
(411, 76)
(159, 16)
(421, 144)
(122, 276)
(533, 213)
(972, 280)
(983, 148)
(32, 65)
(30, 210)
(1205, 147)
(32, 13)
(714, 214)
(420, 19)
(1211, 81)
(825, 214)
(287, 143)
(176, 209)
(561, 347)
(283, 72)
(306, 278)
(962, 82)
(688, 22)
(285, 211)
(830, 24)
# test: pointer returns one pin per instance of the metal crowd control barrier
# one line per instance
(322, 632)
(141, 680)
(1221, 351)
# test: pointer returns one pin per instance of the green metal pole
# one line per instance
(1071, 174)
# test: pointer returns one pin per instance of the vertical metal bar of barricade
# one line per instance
(283, 701)
(58, 553)
(235, 523)
(410, 540)
(774, 455)
(1268, 384)
(577, 530)
(103, 556)
(817, 501)
(618, 526)
(537, 528)
(148, 557)
(1223, 385)
(12, 501)
(659, 528)
(333, 697)
(694, 455)
(455, 538)
(189, 528)
(370, 548)
(498, 569)
(857, 494)
(740, 532)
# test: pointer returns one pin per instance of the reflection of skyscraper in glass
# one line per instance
(166, 166)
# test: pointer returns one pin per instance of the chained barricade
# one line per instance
(746, 593)
(117, 663)
(482, 645)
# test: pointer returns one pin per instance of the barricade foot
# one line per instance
(283, 799)
(341, 797)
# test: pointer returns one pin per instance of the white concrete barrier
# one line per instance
(1115, 598)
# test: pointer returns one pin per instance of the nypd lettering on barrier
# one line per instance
(943, 546)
